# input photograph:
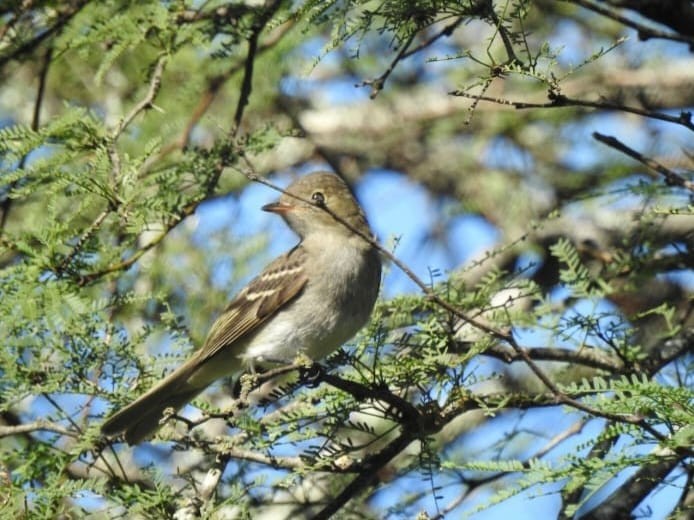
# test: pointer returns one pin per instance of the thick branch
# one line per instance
(60, 21)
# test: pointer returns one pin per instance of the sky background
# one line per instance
(403, 215)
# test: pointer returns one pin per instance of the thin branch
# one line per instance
(378, 83)
(214, 86)
(35, 123)
(448, 30)
(88, 233)
(368, 477)
(570, 497)
(503, 32)
(272, 461)
(197, 504)
(247, 82)
(558, 100)
(645, 32)
(671, 178)
(146, 102)
(128, 262)
(585, 357)
(61, 20)
(574, 429)
(39, 425)
(409, 413)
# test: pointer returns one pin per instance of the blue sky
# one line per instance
(402, 212)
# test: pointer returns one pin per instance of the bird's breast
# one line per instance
(335, 303)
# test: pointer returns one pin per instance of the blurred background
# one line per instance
(529, 161)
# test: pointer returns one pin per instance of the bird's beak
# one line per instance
(278, 207)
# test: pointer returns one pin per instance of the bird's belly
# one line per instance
(319, 332)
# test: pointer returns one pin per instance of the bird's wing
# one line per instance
(280, 282)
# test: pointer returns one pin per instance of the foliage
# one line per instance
(557, 364)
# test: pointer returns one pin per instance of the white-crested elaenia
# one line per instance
(311, 299)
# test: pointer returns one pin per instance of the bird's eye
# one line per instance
(318, 198)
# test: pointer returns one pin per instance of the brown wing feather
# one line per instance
(280, 282)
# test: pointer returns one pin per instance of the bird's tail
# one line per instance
(141, 417)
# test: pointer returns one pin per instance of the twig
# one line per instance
(195, 506)
(145, 103)
(367, 477)
(247, 83)
(148, 100)
(404, 53)
(644, 31)
(378, 83)
(39, 425)
(671, 178)
(408, 412)
(585, 357)
(61, 20)
(128, 262)
(446, 31)
(574, 429)
(558, 100)
(35, 123)
(214, 85)
(505, 38)
(268, 460)
(89, 232)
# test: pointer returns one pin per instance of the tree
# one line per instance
(553, 370)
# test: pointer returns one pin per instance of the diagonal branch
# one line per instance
(60, 21)
(558, 100)
(35, 122)
(39, 425)
(631, 493)
(585, 357)
(645, 32)
(378, 83)
(146, 102)
(671, 178)
(368, 477)
(247, 82)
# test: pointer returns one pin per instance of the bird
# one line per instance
(310, 300)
